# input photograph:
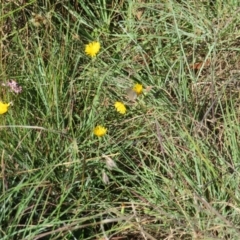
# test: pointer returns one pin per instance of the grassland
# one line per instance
(176, 149)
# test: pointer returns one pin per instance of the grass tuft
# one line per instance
(168, 168)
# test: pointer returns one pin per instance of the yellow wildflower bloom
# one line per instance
(138, 88)
(99, 131)
(4, 107)
(120, 107)
(92, 49)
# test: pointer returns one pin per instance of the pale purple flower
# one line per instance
(13, 85)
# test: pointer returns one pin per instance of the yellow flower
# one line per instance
(4, 107)
(138, 88)
(120, 107)
(99, 131)
(92, 49)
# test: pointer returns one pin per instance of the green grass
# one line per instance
(176, 149)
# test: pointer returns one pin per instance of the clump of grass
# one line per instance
(167, 166)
